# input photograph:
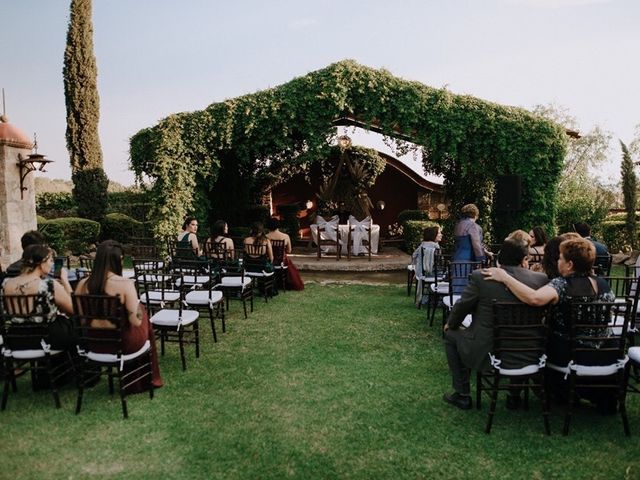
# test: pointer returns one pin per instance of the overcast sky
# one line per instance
(157, 57)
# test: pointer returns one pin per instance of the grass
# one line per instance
(334, 382)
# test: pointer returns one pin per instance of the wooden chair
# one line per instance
(359, 232)
(200, 292)
(597, 354)
(26, 345)
(172, 325)
(518, 354)
(101, 348)
(602, 265)
(86, 265)
(236, 286)
(328, 235)
(257, 267)
(279, 266)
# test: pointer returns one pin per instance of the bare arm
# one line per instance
(194, 243)
(62, 298)
(543, 296)
(131, 302)
(269, 251)
(287, 244)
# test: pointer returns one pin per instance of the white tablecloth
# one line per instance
(344, 231)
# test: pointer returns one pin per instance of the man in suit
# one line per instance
(584, 230)
(468, 349)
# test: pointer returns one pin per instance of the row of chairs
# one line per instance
(518, 357)
(329, 236)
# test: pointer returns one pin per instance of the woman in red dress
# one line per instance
(294, 281)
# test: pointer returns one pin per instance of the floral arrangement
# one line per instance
(395, 230)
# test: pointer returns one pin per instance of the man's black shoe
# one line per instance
(513, 402)
(463, 402)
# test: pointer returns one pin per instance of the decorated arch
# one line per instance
(246, 144)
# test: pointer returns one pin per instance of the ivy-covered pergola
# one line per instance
(267, 135)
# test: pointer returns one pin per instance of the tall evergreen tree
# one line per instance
(629, 185)
(83, 112)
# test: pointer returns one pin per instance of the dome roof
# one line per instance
(12, 135)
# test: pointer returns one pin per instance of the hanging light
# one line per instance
(32, 162)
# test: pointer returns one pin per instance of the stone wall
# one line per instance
(17, 215)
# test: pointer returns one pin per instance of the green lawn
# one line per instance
(334, 382)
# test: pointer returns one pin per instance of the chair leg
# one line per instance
(478, 389)
(8, 379)
(181, 345)
(494, 401)
(196, 332)
(570, 404)
(622, 400)
(213, 325)
(123, 400)
(80, 383)
(52, 381)
(545, 406)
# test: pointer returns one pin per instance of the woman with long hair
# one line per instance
(258, 237)
(294, 280)
(539, 240)
(219, 233)
(106, 279)
(53, 295)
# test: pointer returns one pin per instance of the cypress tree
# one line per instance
(83, 112)
(629, 182)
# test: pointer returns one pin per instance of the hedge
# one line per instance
(413, 232)
(71, 234)
(407, 215)
(121, 227)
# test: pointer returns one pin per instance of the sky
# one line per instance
(158, 57)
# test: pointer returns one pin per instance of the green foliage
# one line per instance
(413, 232)
(121, 227)
(290, 223)
(70, 234)
(256, 213)
(629, 186)
(614, 235)
(90, 193)
(407, 215)
(83, 113)
(580, 202)
(60, 201)
(275, 132)
(134, 203)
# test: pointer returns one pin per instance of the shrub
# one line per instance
(121, 227)
(613, 235)
(56, 204)
(406, 215)
(90, 193)
(70, 234)
(413, 232)
(133, 203)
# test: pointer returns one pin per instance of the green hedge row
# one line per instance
(413, 233)
(71, 234)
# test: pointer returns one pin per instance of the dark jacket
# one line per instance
(477, 299)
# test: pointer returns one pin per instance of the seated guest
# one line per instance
(188, 236)
(468, 349)
(258, 237)
(106, 279)
(520, 236)
(575, 282)
(584, 230)
(423, 257)
(32, 237)
(54, 300)
(552, 254)
(218, 236)
(538, 240)
(294, 281)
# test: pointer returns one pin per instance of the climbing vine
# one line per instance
(267, 135)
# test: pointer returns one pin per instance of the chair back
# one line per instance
(195, 276)
(459, 275)
(328, 234)
(216, 250)
(22, 326)
(602, 265)
(592, 340)
(106, 338)
(519, 334)
(145, 251)
(254, 258)
(535, 258)
(279, 250)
